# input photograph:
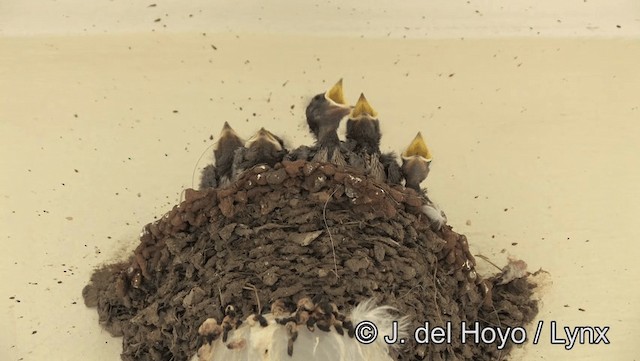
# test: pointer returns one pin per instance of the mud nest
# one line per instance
(301, 229)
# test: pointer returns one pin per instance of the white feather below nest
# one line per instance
(270, 343)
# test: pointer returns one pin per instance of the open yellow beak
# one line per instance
(336, 93)
(362, 107)
(418, 148)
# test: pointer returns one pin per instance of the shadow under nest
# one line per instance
(293, 230)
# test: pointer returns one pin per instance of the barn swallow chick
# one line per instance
(363, 127)
(363, 137)
(265, 139)
(225, 149)
(416, 160)
(324, 113)
(223, 153)
(263, 148)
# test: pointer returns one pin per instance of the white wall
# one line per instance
(377, 18)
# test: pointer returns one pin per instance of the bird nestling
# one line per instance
(263, 148)
(324, 113)
(224, 151)
(363, 127)
(363, 137)
(416, 160)
(267, 142)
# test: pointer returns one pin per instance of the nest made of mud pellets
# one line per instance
(292, 230)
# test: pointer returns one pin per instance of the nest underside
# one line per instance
(296, 230)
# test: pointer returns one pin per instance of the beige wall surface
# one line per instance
(535, 138)
(353, 18)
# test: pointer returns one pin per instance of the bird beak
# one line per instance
(264, 135)
(228, 131)
(336, 94)
(228, 136)
(362, 108)
(418, 148)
